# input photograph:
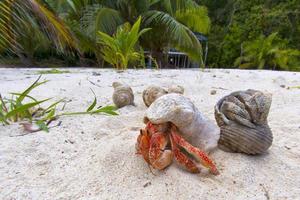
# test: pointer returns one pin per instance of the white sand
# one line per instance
(93, 157)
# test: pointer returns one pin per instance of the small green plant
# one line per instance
(53, 71)
(294, 87)
(268, 52)
(22, 107)
(121, 48)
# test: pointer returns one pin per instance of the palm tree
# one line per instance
(172, 23)
(22, 21)
(121, 49)
(268, 52)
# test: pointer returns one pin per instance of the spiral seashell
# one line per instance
(176, 89)
(194, 127)
(242, 117)
(123, 95)
(151, 93)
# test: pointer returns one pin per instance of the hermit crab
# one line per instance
(242, 117)
(172, 124)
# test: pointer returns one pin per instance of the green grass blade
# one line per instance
(53, 71)
(12, 105)
(295, 87)
(107, 109)
(23, 108)
(92, 106)
(2, 105)
(28, 90)
(2, 118)
(42, 125)
(50, 115)
(28, 96)
(53, 105)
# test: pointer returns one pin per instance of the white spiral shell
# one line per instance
(194, 127)
(123, 95)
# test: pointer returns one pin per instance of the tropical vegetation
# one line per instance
(267, 52)
(24, 108)
(236, 23)
(239, 32)
(121, 49)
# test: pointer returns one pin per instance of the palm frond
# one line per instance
(15, 14)
(195, 18)
(179, 35)
(107, 20)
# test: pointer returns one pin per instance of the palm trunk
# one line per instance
(27, 61)
(160, 58)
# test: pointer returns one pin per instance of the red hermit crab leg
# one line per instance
(194, 152)
(159, 156)
(151, 128)
(183, 159)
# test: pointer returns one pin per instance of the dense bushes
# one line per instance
(240, 32)
(236, 24)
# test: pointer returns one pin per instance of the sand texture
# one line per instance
(93, 157)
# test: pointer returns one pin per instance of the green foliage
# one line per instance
(121, 48)
(268, 52)
(235, 22)
(294, 87)
(21, 19)
(53, 71)
(23, 107)
(15, 109)
(172, 21)
(74, 24)
(195, 18)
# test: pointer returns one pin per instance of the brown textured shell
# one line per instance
(242, 118)
(123, 95)
(151, 93)
(176, 89)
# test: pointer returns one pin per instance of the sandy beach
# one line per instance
(93, 157)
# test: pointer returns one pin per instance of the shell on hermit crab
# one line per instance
(179, 110)
(151, 93)
(123, 95)
(242, 118)
(175, 89)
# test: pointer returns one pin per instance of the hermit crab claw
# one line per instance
(152, 145)
(143, 144)
(159, 156)
(189, 156)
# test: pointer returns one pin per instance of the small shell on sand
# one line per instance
(176, 89)
(194, 127)
(242, 117)
(151, 93)
(123, 95)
